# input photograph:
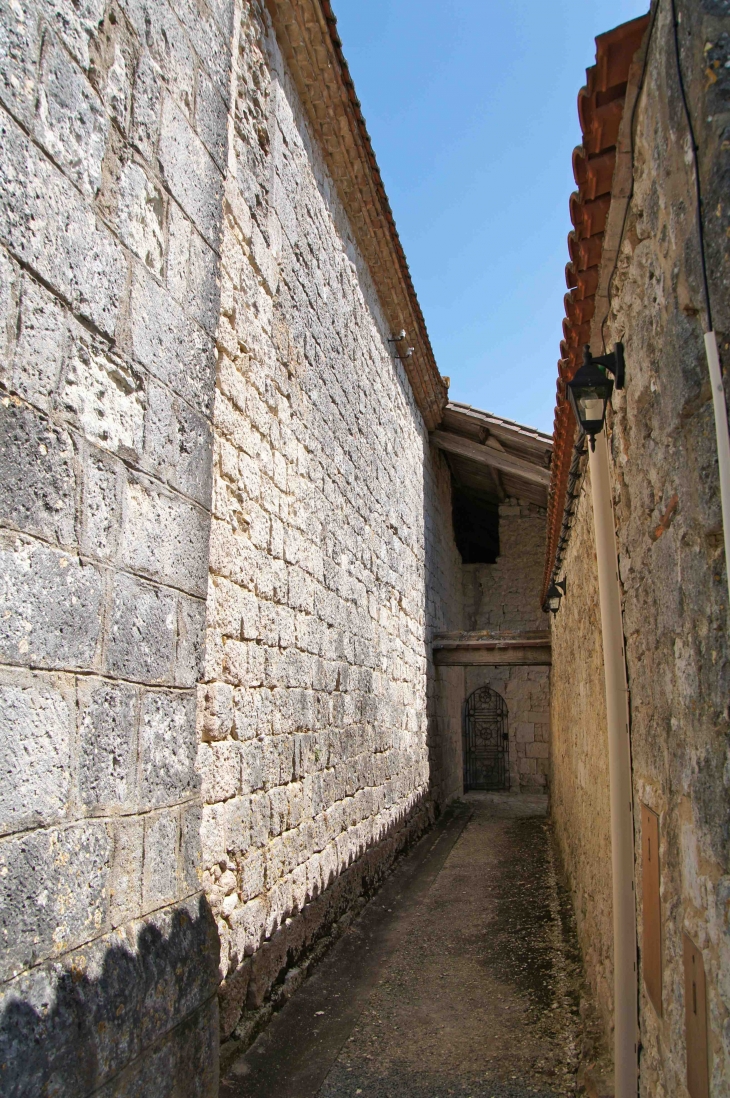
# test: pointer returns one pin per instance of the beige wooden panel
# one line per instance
(695, 1013)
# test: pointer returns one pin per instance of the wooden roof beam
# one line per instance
(488, 455)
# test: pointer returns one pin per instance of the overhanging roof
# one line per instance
(494, 457)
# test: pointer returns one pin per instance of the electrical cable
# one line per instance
(696, 164)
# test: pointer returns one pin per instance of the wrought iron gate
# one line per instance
(486, 741)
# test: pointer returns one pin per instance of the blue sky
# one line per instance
(471, 107)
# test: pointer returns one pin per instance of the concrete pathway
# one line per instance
(461, 977)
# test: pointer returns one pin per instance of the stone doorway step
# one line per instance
(460, 977)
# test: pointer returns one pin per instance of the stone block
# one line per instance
(125, 891)
(103, 395)
(537, 750)
(141, 641)
(37, 473)
(101, 507)
(71, 123)
(52, 606)
(53, 892)
(164, 537)
(167, 747)
(68, 1027)
(213, 834)
(45, 222)
(211, 119)
(523, 732)
(140, 215)
(10, 281)
(36, 734)
(161, 849)
(41, 344)
(210, 44)
(190, 650)
(76, 25)
(217, 711)
(191, 851)
(219, 765)
(178, 444)
(107, 743)
(20, 46)
(169, 343)
(147, 92)
(190, 172)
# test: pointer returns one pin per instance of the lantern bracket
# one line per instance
(614, 363)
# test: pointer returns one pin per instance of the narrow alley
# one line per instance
(460, 977)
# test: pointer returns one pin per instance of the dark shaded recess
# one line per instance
(476, 526)
(146, 1024)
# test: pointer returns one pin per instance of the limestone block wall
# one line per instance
(332, 561)
(579, 788)
(113, 143)
(506, 594)
(672, 567)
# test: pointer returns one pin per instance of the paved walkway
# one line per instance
(459, 978)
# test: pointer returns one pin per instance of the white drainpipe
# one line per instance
(723, 439)
(626, 1021)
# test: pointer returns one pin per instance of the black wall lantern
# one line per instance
(555, 593)
(590, 390)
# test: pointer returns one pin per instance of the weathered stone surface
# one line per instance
(141, 642)
(71, 122)
(39, 585)
(44, 221)
(191, 173)
(164, 537)
(53, 892)
(167, 747)
(672, 573)
(71, 1025)
(38, 475)
(108, 714)
(106, 387)
(36, 735)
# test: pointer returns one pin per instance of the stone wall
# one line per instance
(579, 789)
(113, 145)
(331, 562)
(671, 560)
(506, 595)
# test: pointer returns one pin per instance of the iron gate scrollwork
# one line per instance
(486, 741)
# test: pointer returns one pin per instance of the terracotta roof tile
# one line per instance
(600, 108)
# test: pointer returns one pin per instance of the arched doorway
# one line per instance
(486, 741)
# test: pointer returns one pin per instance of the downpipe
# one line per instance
(626, 1019)
(722, 433)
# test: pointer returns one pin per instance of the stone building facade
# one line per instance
(505, 596)
(226, 540)
(673, 575)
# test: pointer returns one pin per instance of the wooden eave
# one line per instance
(307, 34)
(494, 456)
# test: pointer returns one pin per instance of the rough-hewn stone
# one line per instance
(106, 389)
(673, 576)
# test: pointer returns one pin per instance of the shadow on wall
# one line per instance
(119, 1017)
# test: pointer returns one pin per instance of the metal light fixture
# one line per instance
(590, 390)
(555, 594)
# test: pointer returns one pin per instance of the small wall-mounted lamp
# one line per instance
(590, 390)
(555, 594)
